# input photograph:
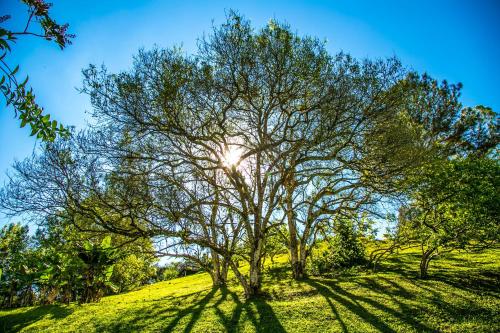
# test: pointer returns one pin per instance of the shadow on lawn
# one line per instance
(169, 314)
(17, 321)
(336, 295)
(478, 280)
(266, 321)
(430, 293)
(379, 301)
(172, 318)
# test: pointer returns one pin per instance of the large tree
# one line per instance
(259, 126)
(256, 131)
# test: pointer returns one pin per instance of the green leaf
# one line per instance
(87, 246)
(4, 44)
(106, 242)
(15, 70)
(24, 82)
(34, 129)
(109, 272)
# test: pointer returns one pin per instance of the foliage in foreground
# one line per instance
(462, 298)
(17, 93)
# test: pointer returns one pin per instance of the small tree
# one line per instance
(396, 238)
(344, 249)
(99, 260)
(131, 272)
(275, 245)
(455, 205)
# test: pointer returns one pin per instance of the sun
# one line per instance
(232, 156)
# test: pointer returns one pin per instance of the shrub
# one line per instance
(343, 250)
(169, 274)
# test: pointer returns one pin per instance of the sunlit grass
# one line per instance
(461, 296)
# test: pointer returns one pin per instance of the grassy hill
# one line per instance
(461, 296)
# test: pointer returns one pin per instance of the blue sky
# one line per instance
(454, 40)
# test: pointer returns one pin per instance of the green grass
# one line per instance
(462, 295)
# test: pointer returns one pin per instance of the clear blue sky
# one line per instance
(454, 40)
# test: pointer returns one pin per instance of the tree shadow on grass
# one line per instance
(480, 282)
(16, 321)
(138, 319)
(257, 311)
(230, 322)
(476, 280)
(278, 274)
(354, 304)
(194, 311)
(462, 308)
(266, 321)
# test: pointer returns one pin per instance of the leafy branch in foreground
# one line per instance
(16, 92)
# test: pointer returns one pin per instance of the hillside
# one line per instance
(461, 296)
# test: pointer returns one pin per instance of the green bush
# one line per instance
(344, 249)
(169, 273)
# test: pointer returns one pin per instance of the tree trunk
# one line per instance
(216, 274)
(293, 244)
(224, 270)
(11, 295)
(424, 262)
(241, 278)
(255, 269)
(301, 267)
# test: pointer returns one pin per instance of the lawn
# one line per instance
(462, 295)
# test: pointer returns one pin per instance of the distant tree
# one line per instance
(168, 272)
(16, 92)
(276, 244)
(58, 263)
(455, 205)
(63, 264)
(99, 260)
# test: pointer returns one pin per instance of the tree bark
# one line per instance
(424, 262)
(293, 244)
(215, 274)
(301, 273)
(224, 269)
(255, 269)
(241, 278)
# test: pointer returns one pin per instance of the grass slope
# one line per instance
(461, 296)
